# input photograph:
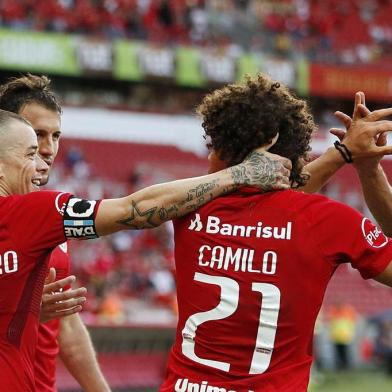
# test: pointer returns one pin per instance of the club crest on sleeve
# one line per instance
(59, 208)
(79, 208)
(373, 235)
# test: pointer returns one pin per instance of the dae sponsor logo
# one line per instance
(373, 235)
(80, 232)
(213, 225)
(183, 385)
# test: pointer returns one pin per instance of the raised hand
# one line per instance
(365, 136)
(57, 303)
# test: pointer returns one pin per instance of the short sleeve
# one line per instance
(42, 220)
(344, 235)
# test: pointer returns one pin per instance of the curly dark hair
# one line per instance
(17, 92)
(241, 117)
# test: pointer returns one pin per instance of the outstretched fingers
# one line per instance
(65, 295)
(59, 284)
(360, 109)
(343, 118)
(384, 150)
(380, 126)
(377, 115)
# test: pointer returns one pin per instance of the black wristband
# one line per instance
(344, 151)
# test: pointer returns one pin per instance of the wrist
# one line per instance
(344, 151)
(334, 157)
(368, 167)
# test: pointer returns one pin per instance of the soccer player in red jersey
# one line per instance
(31, 97)
(32, 224)
(252, 268)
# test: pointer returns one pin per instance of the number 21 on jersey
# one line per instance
(229, 297)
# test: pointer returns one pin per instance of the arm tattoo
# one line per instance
(154, 216)
(168, 213)
(139, 219)
(201, 190)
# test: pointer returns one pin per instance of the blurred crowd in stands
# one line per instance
(330, 30)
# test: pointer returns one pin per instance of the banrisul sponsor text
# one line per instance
(214, 225)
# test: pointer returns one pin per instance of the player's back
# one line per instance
(251, 275)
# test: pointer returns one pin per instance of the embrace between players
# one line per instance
(246, 261)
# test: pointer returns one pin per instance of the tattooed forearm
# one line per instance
(201, 190)
(157, 204)
(139, 219)
(144, 218)
(168, 213)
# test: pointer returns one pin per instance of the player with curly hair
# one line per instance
(252, 268)
(238, 118)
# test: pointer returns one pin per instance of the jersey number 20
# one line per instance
(228, 304)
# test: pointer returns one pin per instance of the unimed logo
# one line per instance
(373, 235)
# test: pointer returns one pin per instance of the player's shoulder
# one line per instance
(314, 206)
(295, 199)
(24, 208)
(49, 199)
(35, 197)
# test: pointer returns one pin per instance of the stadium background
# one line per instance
(129, 74)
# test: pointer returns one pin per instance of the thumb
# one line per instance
(266, 147)
(51, 277)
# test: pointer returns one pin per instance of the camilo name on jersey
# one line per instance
(239, 259)
(214, 226)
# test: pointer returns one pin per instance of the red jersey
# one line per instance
(31, 226)
(252, 270)
(47, 344)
